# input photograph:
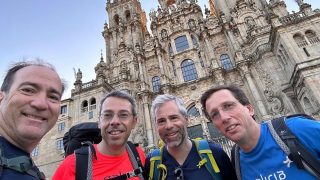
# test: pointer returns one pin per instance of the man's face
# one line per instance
(116, 121)
(171, 125)
(229, 116)
(32, 105)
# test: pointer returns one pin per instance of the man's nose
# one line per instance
(40, 102)
(224, 115)
(169, 124)
(115, 120)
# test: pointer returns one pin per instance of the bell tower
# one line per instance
(126, 27)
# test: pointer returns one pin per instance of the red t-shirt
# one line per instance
(105, 167)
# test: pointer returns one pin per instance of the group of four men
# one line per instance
(30, 104)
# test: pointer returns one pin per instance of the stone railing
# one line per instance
(314, 40)
(292, 18)
(302, 43)
(89, 84)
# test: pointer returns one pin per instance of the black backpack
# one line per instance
(289, 143)
(80, 133)
(80, 140)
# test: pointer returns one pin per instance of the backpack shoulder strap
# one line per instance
(157, 169)
(292, 147)
(84, 161)
(133, 149)
(23, 164)
(235, 160)
(207, 158)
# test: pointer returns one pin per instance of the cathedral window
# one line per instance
(156, 83)
(312, 37)
(116, 19)
(59, 144)
(226, 62)
(63, 109)
(61, 126)
(181, 43)
(194, 41)
(189, 70)
(128, 15)
(84, 106)
(93, 104)
(193, 111)
(299, 39)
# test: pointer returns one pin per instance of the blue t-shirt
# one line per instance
(268, 161)
(11, 151)
(190, 169)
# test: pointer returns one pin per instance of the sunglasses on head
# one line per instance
(178, 173)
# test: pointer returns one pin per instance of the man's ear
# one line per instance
(135, 120)
(251, 109)
(1, 96)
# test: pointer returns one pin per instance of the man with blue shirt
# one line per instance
(260, 156)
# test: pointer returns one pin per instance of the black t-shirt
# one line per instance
(190, 169)
(11, 151)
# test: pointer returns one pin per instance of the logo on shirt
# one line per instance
(287, 161)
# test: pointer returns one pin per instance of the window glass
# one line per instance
(181, 43)
(189, 71)
(156, 84)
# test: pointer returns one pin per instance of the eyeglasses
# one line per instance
(226, 107)
(178, 173)
(122, 116)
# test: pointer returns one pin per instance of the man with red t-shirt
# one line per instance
(118, 116)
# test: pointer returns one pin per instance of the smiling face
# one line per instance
(116, 122)
(171, 125)
(31, 106)
(233, 119)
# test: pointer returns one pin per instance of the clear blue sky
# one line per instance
(66, 33)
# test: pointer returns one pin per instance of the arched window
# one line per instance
(226, 62)
(189, 71)
(299, 39)
(312, 37)
(84, 106)
(156, 83)
(194, 41)
(116, 19)
(128, 15)
(193, 111)
(181, 43)
(93, 104)
(307, 106)
(170, 50)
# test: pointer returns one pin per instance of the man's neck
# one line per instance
(181, 152)
(110, 150)
(249, 142)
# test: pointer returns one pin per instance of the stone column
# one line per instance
(245, 73)
(147, 119)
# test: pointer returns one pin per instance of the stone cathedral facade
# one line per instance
(272, 54)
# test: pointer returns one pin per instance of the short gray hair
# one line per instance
(164, 98)
(121, 95)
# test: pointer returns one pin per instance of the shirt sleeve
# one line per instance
(66, 169)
